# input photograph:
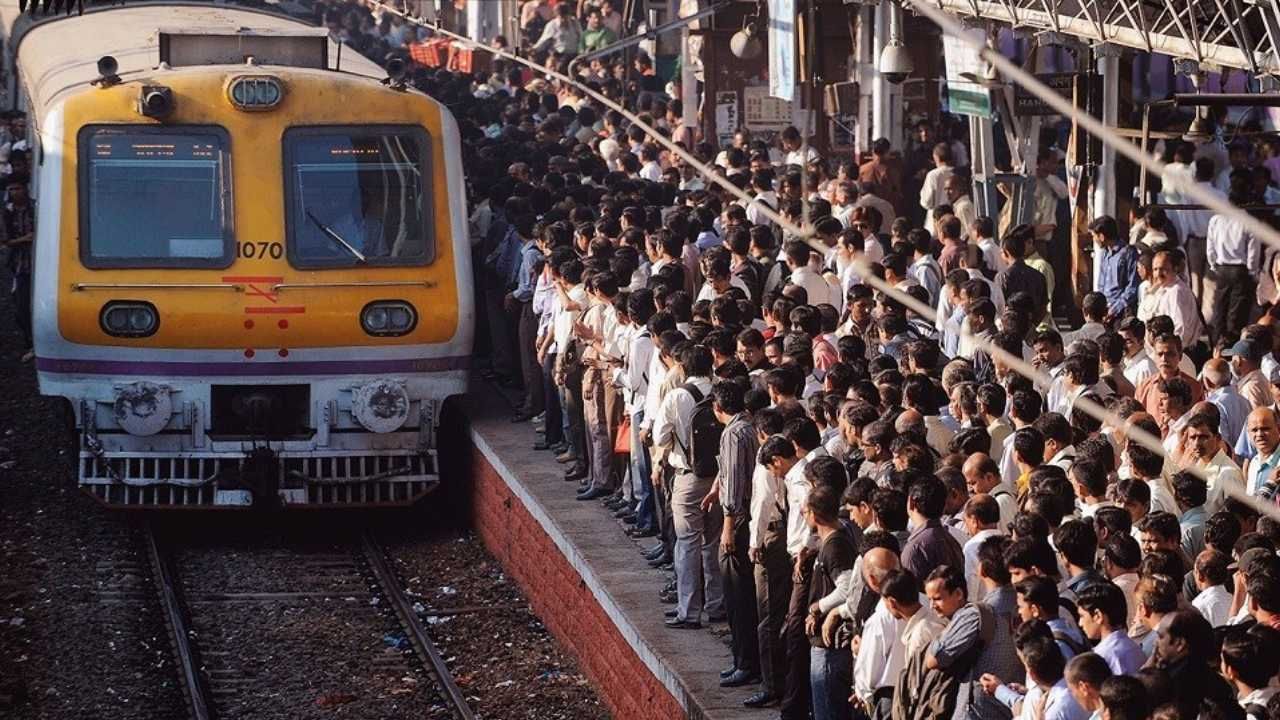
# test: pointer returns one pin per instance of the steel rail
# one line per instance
(197, 687)
(413, 626)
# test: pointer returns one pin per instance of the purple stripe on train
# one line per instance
(250, 368)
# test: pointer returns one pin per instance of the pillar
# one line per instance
(864, 51)
(1103, 201)
(886, 98)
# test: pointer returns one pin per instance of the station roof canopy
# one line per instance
(1242, 34)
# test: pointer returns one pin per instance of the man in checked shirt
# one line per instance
(732, 489)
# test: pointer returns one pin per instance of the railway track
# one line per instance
(262, 631)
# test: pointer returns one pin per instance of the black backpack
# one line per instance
(704, 435)
(752, 274)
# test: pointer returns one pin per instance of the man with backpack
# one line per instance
(979, 638)
(686, 425)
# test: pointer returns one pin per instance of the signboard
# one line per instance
(1025, 104)
(726, 116)
(761, 111)
(965, 70)
(782, 49)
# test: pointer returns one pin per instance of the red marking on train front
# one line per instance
(267, 292)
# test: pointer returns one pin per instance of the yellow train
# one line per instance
(252, 276)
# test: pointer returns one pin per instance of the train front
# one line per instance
(252, 280)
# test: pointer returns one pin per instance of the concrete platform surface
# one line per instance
(686, 662)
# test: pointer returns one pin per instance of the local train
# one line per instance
(252, 278)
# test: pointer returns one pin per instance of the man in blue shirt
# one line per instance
(1047, 696)
(1264, 435)
(524, 277)
(1101, 607)
(1118, 268)
(1038, 600)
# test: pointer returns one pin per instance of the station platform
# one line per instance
(587, 580)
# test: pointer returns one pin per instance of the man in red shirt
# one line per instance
(883, 171)
(1167, 353)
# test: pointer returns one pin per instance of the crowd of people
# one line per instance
(893, 520)
(17, 221)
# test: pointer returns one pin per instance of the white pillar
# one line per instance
(886, 98)
(1104, 187)
(866, 71)
(689, 80)
(484, 20)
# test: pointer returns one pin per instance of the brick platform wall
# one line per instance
(561, 597)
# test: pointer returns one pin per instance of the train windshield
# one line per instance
(154, 197)
(358, 196)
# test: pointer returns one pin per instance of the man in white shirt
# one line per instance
(934, 190)
(697, 550)
(765, 197)
(1203, 446)
(880, 654)
(1233, 256)
(798, 154)
(957, 189)
(1171, 296)
(870, 197)
(773, 566)
(981, 521)
(1137, 364)
(633, 378)
(1249, 665)
(816, 287)
(1211, 578)
(983, 231)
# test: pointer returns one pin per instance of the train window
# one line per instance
(155, 196)
(358, 196)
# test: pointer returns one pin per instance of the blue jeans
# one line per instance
(830, 679)
(641, 476)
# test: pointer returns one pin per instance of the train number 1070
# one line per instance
(263, 250)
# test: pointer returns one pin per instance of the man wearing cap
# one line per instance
(1254, 562)
(1246, 363)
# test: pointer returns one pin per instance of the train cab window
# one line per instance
(358, 196)
(155, 197)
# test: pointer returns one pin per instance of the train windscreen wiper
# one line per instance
(360, 258)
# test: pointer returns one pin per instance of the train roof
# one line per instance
(57, 54)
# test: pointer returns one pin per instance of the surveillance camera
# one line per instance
(895, 62)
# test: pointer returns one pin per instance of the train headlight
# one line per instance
(129, 319)
(143, 408)
(255, 92)
(388, 318)
(380, 406)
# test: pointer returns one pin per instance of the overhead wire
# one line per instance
(863, 269)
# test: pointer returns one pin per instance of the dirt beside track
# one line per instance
(82, 633)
